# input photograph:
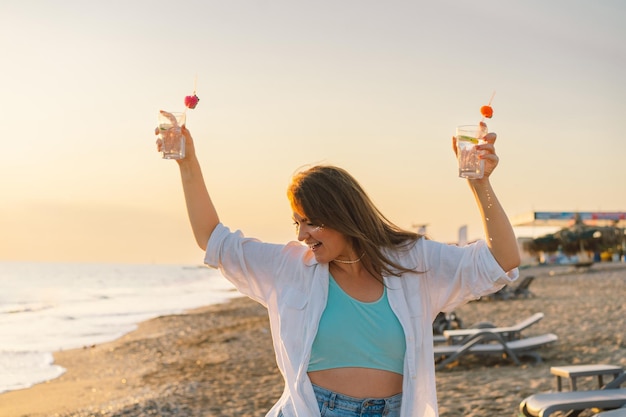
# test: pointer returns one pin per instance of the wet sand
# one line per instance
(218, 360)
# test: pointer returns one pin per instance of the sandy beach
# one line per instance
(218, 360)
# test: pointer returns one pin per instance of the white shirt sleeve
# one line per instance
(251, 265)
(460, 274)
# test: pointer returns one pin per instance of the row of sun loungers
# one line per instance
(608, 400)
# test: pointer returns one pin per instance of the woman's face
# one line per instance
(325, 243)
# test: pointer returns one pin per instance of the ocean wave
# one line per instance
(25, 308)
(39, 366)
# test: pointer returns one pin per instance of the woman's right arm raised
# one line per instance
(200, 209)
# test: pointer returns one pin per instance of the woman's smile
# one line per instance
(314, 246)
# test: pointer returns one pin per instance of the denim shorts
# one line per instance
(332, 404)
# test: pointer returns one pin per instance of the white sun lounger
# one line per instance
(543, 405)
(507, 332)
(488, 343)
(573, 402)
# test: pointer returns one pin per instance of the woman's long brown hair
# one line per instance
(329, 196)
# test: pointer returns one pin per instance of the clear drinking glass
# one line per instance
(170, 133)
(467, 137)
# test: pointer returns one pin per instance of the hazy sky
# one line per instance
(376, 87)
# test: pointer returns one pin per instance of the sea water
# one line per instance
(47, 307)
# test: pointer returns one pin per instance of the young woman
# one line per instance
(351, 306)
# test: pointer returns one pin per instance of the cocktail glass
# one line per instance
(171, 135)
(467, 137)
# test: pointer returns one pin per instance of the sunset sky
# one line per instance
(376, 87)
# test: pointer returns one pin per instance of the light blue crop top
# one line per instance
(353, 333)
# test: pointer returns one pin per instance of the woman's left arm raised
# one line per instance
(499, 233)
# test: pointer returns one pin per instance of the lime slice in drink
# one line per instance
(467, 139)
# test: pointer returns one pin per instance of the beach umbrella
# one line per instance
(578, 238)
(547, 243)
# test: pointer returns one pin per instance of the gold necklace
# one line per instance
(349, 262)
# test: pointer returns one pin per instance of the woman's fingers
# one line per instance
(490, 137)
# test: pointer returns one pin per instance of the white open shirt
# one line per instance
(293, 286)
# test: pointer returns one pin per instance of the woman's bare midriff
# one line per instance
(359, 382)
